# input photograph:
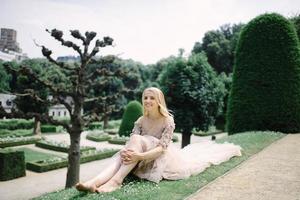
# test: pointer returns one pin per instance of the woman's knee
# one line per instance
(136, 141)
(136, 138)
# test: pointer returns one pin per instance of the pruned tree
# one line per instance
(265, 91)
(75, 88)
(112, 88)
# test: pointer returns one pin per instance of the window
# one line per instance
(58, 113)
(53, 113)
(65, 113)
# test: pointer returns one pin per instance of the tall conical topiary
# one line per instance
(265, 92)
(132, 112)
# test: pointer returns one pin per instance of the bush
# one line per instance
(15, 133)
(97, 136)
(95, 125)
(12, 164)
(132, 112)
(56, 163)
(119, 140)
(12, 124)
(265, 91)
(59, 146)
(9, 142)
(51, 129)
(111, 131)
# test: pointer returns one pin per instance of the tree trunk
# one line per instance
(37, 127)
(186, 138)
(74, 160)
(105, 122)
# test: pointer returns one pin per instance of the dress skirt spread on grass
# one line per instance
(176, 163)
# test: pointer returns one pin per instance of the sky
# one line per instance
(143, 30)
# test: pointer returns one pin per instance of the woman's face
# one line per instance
(150, 103)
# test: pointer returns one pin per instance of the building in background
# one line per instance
(6, 101)
(9, 47)
(68, 59)
(8, 40)
(56, 111)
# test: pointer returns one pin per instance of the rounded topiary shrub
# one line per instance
(132, 112)
(265, 92)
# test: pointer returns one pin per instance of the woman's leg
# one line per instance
(116, 181)
(100, 179)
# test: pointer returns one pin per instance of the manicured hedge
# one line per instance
(51, 164)
(12, 164)
(265, 92)
(9, 142)
(48, 129)
(15, 133)
(118, 140)
(98, 136)
(95, 125)
(59, 146)
(132, 112)
(12, 124)
(111, 131)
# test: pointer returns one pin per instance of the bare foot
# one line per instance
(110, 186)
(83, 187)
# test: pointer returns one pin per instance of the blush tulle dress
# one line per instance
(175, 163)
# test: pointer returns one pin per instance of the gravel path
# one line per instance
(272, 174)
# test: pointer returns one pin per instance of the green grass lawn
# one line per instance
(32, 155)
(251, 142)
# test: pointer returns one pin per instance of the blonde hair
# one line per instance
(160, 99)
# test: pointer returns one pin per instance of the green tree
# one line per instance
(76, 89)
(194, 93)
(26, 102)
(113, 88)
(296, 21)
(221, 118)
(5, 79)
(219, 46)
(265, 91)
(133, 111)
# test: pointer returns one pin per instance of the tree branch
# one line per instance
(57, 34)
(28, 72)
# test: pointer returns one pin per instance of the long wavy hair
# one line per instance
(160, 99)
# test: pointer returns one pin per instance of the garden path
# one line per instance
(272, 174)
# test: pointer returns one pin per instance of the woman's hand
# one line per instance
(130, 156)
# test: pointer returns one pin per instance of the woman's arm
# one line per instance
(152, 154)
(130, 156)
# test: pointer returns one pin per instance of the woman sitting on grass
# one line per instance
(149, 154)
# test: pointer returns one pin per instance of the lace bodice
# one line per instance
(163, 131)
